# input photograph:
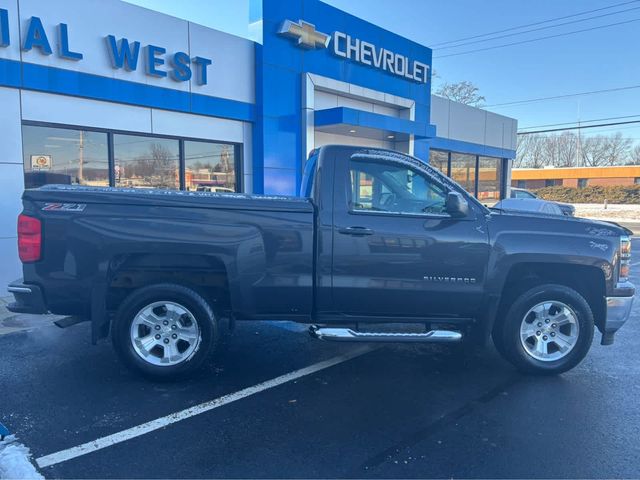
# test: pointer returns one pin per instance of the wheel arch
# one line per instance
(589, 281)
(206, 274)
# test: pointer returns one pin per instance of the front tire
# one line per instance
(547, 330)
(164, 331)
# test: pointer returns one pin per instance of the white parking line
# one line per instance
(138, 430)
(635, 264)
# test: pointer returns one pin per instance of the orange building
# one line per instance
(580, 177)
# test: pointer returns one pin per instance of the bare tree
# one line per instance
(550, 150)
(602, 150)
(164, 164)
(567, 144)
(634, 156)
(531, 151)
(537, 150)
(593, 150)
(158, 167)
(617, 149)
(522, 150)
(463, 92)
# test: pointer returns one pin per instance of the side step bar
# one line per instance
(348, 335)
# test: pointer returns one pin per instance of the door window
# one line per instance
(381, 187)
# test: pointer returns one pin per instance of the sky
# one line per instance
(598, 59)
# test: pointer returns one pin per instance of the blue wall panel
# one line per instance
(9, 73)
(283, 64)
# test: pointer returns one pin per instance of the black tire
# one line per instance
(506, 334)
(178, 294)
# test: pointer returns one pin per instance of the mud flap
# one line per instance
(480, 333)
(99, 317)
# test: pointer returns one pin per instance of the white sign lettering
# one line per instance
(368, 54)
(354, 49)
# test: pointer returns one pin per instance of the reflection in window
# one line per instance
(209, 167)
(489, 173)
(60, 155)
(463, 170)
(439, 159)
(382, 187)
(146, 162)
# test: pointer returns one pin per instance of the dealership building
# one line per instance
(108, 93)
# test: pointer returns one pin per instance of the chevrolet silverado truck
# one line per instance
(378, 247)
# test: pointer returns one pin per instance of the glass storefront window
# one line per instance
(439, 160)
(463, 170)
(61, 155)
(489, 180)
(56, 154)
(146, 162)
(209, 167)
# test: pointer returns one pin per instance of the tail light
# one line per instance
(625, 258)
(29, 238)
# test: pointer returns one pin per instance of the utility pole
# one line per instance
(80, 157)
(579, 148)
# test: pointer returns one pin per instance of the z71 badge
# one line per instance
(64, 207)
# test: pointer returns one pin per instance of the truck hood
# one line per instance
(593, 227)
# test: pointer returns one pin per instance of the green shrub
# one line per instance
(595, 194)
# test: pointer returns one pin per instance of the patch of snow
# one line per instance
(15, 461)
(613, 212)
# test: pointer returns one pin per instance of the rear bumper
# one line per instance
(29, 298)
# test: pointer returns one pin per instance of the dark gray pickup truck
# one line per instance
(379, 248)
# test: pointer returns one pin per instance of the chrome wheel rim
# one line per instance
(549, 331)
(165, 334)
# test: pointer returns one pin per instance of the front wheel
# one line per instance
(164, 331)
(547, 330)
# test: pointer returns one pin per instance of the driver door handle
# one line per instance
(358, 231)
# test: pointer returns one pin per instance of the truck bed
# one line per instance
(259, 248)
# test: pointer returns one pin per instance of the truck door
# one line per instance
(396, 250)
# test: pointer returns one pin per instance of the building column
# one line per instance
(11, 185)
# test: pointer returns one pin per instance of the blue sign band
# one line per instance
(66, 82)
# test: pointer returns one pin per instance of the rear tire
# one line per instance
(164, 331)
(547, 330)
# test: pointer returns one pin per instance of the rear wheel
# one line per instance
(164, 331)
(547, 330)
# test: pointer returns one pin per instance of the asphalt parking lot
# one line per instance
(394, 411)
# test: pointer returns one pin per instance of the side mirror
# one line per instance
(456, 205)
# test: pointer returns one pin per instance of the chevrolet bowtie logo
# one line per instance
(306, 34)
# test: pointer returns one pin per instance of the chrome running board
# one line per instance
(337, 334)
